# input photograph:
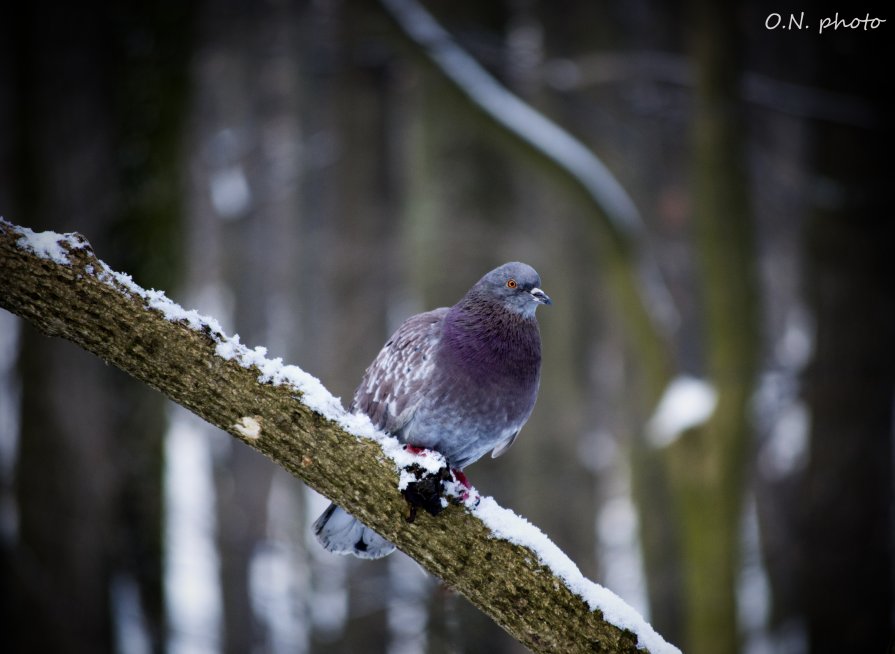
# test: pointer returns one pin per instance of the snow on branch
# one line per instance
(503, 564)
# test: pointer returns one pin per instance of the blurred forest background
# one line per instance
(300, 170)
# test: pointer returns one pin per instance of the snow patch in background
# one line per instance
(407, 609)
(688, 402)
(329, 611)
(786, 450)
(618, 534)
(796, 347)
(753, 587)
(279, 575)
(192, 582)
(783, 419)
(128, 618)
(230, 194)
(10, 328)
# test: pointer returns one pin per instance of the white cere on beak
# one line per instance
(540, 296)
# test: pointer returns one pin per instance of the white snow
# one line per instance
(788, 448)
(407, 610)
(753, 586)
(49, 245)
(192, 582)
(10, 326)
(327, 608)
(160, 302)
(128, 617)
(796, 346)
(230, 192)
(617, 529)
(687, 403)
(280, 573)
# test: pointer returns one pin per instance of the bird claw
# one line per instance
(426, 492)
(466, 491)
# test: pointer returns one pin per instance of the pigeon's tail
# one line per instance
(341, 533)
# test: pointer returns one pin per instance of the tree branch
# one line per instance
(527, 586)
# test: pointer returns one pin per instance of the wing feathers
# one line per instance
(390, 389)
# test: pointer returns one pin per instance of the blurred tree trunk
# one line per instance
(843, 510)
(96, 114)
(150, 94)
(827, 523)
(659, 525)
(707, 465)
(245, 196)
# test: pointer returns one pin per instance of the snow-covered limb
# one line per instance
(503, 564)
(55, 247)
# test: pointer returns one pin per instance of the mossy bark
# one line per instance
(503, 580)
(707, 466)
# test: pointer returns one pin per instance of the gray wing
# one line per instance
(392, 386)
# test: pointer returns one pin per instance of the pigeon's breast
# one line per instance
(465, 424)
(482, 393)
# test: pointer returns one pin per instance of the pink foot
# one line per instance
(461, 478)
(463, 481)
(413, 449)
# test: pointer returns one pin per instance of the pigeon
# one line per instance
(459, 380)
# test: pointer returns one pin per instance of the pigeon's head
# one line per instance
(516, 285)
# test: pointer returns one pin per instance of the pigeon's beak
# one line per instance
(540, 296)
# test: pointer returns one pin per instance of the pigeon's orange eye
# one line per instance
(511, 283)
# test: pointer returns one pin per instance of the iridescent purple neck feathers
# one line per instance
(489, 341)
